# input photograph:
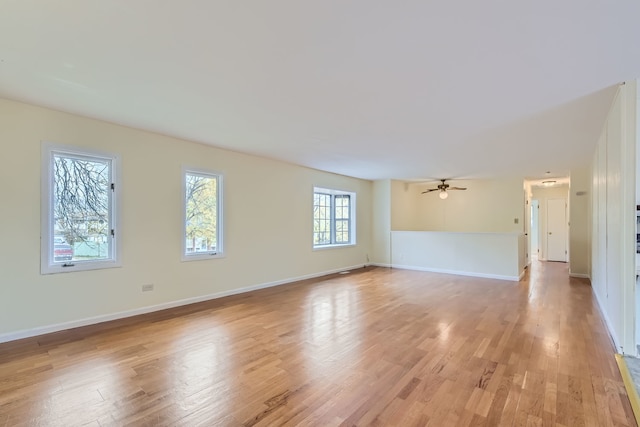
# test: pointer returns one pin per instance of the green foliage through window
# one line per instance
(201, 213)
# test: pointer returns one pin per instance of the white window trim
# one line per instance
(220, 223)
(352, 217)
(47, 265)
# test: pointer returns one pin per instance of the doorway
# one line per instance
(557, 230)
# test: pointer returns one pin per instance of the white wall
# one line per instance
(486, 206)
(637, 142)
(268, 223)
(493, 255)
(542, 194)
(613, 219)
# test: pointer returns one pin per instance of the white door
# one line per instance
(557, 230)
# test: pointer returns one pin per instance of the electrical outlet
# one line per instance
(147, 288)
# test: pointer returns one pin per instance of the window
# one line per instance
(333, 218)
(79, 191)
(202, 235)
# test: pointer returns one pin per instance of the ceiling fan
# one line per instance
(443, 189)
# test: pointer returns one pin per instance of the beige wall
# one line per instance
(486, 206)
(268, 222)
(381, 230)
(404, 206)
(579, 220)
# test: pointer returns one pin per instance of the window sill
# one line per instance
(342, 245)
(79, 266)
(201, 257)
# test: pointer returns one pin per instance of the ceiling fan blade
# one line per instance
(457, 188)
(429, 191)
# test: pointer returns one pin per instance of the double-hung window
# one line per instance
(79, 192)
(333, 218)
(202, 215)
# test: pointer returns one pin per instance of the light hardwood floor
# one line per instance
(373, 347)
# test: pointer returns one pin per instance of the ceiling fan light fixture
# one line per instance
(442, 189)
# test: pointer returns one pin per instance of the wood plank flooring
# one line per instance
(373, 347)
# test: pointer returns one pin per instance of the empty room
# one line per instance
(330, 214)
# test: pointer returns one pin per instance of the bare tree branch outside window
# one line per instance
(81, 204)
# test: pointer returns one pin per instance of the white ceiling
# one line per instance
(404, 89)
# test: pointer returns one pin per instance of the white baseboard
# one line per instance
(380, 264)
(459, 273)
(607, 321)
(41, 330)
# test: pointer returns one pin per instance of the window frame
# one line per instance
(333, 220)
(47, 228)
(219, 253)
